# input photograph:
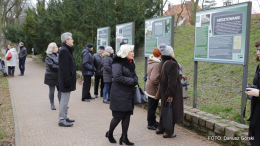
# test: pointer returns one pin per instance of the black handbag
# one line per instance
(139, 96)
(167, 117)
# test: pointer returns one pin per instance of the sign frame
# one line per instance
(133, 34)
(108, 37)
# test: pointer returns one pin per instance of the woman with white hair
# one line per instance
(121, 97)
(11, 63)
(51, 74)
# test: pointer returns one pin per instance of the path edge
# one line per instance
(16, 129)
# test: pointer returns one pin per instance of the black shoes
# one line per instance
(96, 96)
(108, 99)
(110, 137)
(153, 126)
(125, 140)
(105, 101)
(65, 124)
(20, 75)
(53, 107)
(70, 120)
(91, 98)
(86, 100)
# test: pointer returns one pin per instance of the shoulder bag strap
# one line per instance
(162, 70)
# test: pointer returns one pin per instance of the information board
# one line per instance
(103, 37)
(125, 33)
(221, 34)
(158, 30)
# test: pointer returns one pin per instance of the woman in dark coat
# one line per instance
(51, 74)
(170, 89)
(254, 128)
(107, 59)
(121, 97)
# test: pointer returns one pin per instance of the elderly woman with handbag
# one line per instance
(51, 74)
(121, 97)
(11, 56)
(170, 93)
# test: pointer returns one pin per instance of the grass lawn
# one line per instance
(219, 85)
(6, 113)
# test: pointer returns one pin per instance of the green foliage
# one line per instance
(45, 24)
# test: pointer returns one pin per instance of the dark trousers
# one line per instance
(160, 127)
(86, 87)
(51, 94)
(152, 106)
(97, 78)
(11, 70)
(22, 65)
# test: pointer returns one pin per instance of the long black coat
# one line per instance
(67, 69)
(107, 67)
(123, 83)
(52, 68)
(170, 86)
(254, 126)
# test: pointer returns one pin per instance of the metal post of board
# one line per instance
(145, 71)
(243, 98)
(195, 84)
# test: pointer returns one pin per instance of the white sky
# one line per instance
(255, 5)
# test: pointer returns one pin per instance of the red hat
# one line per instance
(157, 53)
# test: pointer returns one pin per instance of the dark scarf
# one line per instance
(67, 46)
(55, 54)
(124, 62)
(165, 58)
(21, 47)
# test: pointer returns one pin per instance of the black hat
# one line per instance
(89, 45)
(102, 47)
(122, 43)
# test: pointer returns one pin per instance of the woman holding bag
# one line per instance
(170, 90)
(11, 56)
(121, 97)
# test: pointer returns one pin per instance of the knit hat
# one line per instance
(157, 53)
(108, 49)
(89, 45)
(165, 50)
(102, 47)
(122, 43)
(124, 50)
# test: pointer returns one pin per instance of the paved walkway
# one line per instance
(38, 124)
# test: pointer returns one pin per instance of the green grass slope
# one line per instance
(219, 85)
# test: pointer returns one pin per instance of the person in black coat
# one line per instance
(254, 128)
(22, 57)
(67, 77)
(88, 69)
(99, 71)
(121, 94)
(51, 74)
(107, 59)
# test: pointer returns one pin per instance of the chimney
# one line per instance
(169, 6)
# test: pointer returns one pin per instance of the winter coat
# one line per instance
(23, 53)
(254, 127)
(107, 67)
(67, 69)
(52, 68)
(2, 64)
(12, 61)
(87, 64)
(170, 86)
(153, 73)
(98, 64)
(123, 83)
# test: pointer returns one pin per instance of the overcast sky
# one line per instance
(255, 4)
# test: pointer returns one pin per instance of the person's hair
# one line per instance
(21, 43)
(50, 48)
(124, 50)
(65, 36)
(257, 44)
(11, 45)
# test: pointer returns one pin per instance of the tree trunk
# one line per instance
(194, 5)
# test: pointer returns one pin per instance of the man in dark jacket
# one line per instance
(67, 77)
(22, 57)
(87, 68)
(99, 71)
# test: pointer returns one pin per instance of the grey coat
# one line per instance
(98, 64)
(107, 67)
(52, 68)
(23, 53)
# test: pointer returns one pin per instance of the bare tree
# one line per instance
(179, 14)
(194, 5)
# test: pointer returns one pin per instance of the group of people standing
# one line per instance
(11, 56)
(118, 81)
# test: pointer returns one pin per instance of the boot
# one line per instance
(53, 107)
(110, 137)
(125, 140)
(5, 75)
